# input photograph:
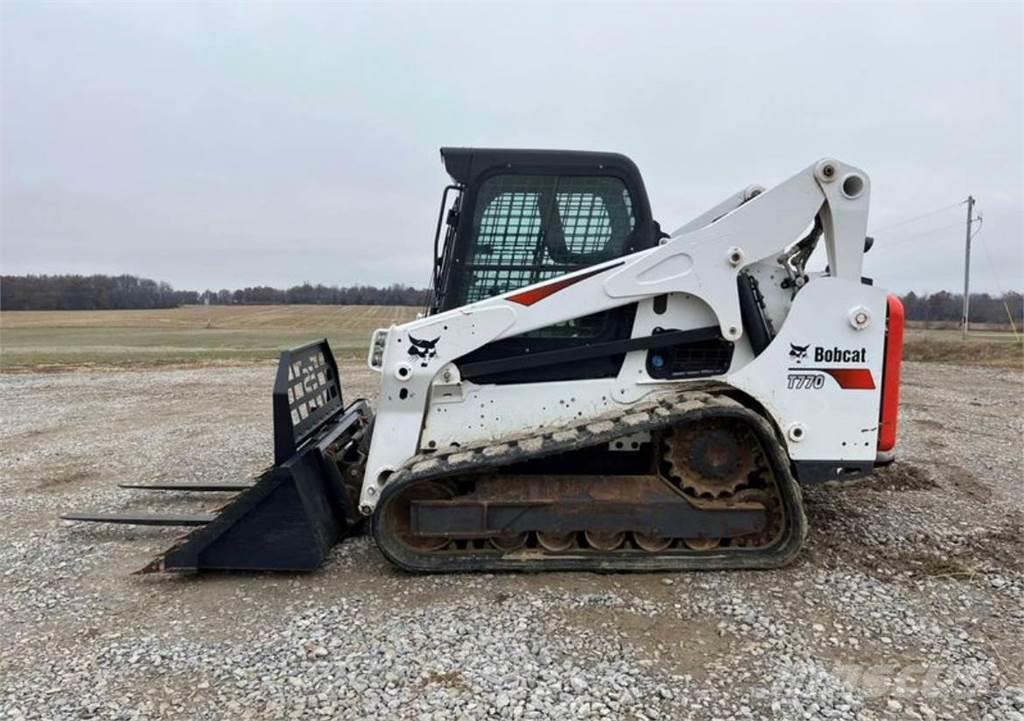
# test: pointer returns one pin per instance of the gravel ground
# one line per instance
(906, 604)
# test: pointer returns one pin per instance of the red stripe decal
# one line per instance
(859, 379)
(534, 295)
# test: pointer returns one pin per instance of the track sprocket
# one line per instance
(710, 460)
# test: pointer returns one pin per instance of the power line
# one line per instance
(999, 283)
(918, 217)
(904, 238)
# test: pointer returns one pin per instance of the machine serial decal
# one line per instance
(850, 379)
(423, 349)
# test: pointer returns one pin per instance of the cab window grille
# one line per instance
(530, 228)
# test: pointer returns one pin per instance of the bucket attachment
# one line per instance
(291, 516)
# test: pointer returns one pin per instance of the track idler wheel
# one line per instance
(556, 542)
(651, 544)
(510, 542)
(399, 516)
(605, 540)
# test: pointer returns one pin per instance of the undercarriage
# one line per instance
(679, 503)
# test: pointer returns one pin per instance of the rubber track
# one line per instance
(663, 412)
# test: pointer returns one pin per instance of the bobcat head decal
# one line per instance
(423, 349)
(798, 352)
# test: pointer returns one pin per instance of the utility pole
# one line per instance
(964, 323)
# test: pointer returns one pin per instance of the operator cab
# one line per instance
(513, 218)
(523, 216)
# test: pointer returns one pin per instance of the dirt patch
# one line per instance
(901, 476)
(61, 478)
(998, 550)
(934, 566)
(448, 679)
(1003, 547)
(677, 645)
(965, 481)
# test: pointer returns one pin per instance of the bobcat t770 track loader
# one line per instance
(587, 391)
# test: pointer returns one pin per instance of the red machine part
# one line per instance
(891, 372)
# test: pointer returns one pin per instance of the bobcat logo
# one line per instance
(798, 352)
(423, 349)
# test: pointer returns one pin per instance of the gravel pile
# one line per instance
(908, 602)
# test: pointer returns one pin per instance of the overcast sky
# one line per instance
(223, 145)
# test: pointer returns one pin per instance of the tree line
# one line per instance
(984, 308)
(307, 294)
(85, 292)
(103, 292)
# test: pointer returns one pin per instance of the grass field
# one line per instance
(219, 334)
(982, 347)
(189, 335)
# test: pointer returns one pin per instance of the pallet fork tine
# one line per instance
(196, 519)
(188, 487)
